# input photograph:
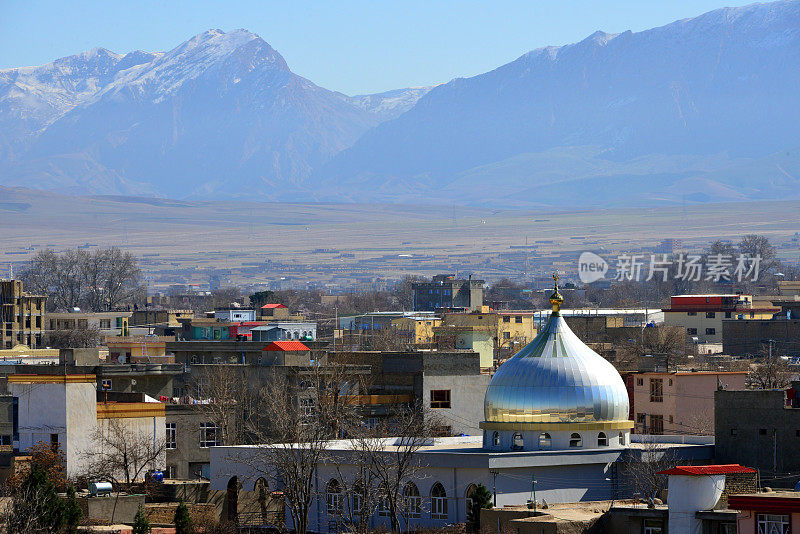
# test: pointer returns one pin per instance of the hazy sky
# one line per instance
(359, 46)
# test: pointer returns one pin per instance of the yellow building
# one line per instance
(138, 349)
(24, 354)
(510, 330)
(421, 328)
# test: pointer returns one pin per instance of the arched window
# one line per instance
(232, 497)
(412, 503)
(496, 439)
(575, 440)
(621, 438)
(602, 440)
(358, 499)
(517, 443)
(545, 441)
(438, 502)
(333, 497)
(468, 500)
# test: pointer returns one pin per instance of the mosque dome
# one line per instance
(556, 383)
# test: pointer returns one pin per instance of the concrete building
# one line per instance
(510, 330)
(679, 402)
(21, 316)
(284, 331)
(444, 382)
(760, 337)
(138, 349)
(702, 315)
(775, 512)
(153, 318)
(235, 315)
(189, 437)
(445, 291)
(113, 323)
(760, 428)
(62, 410)
(555, 413)
(26, 355)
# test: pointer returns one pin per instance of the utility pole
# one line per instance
(533, 492)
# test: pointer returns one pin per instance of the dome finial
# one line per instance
(556, 299)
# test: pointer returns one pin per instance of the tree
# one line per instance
(770, 372)
(100, 280)
(481, 498)
(88, 337)
(643, 472)
(298, 418)
(260, 298)
(758, 245)
(34, 506)
(120, 454)
(140, 523)
(394, 466)
(231, 403)
(183, 521)
(72, 511)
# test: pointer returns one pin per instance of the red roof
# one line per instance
(700, 470)
(272, 306)
(286, 346)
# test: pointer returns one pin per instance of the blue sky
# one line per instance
(358, 46)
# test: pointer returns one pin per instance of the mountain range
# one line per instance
(700, 110)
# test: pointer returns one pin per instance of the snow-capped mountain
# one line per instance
(391, 104)
(219, 114)
(615, 118)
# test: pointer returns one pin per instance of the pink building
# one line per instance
(777, 511)
(679, 402)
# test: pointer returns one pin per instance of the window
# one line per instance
(575, 440)
(656, 390)
(496, 439)
(691, 314)
(734, 432)
(621, 438)
(506, 318)
(727, 315)
(83, 323)
(105, 324)
(209, 435)
(670, 381)
(710, 315)
(105, 383)
(170, 471)
(412, 503)
(438, 502)
(545, 441)
(671, 420)
(518, 319)
(772, 524)
(656, 424)
(711, 331)
(333, 497)
(440, 398)
(517, 443)
(506, 335)
(602, 440)
(170, 442)
(54, 442)
(307, 407)
(762, 431)
(5, 441)
(640, 381)
(797, 433)
(383, 508)
(653, 526)
(641, 422)
(691, 331)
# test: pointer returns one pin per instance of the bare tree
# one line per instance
(228, 402)
(397, 462)
(770, 373)
(642, 471)
(88, 337)
(121, 454)
(298, 419)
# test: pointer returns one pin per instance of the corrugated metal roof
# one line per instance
(700, 470)
(272, 306)
(290, 346)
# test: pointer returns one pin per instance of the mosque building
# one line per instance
(556, 423)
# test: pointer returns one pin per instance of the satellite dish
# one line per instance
(121, 358)
(133, 382)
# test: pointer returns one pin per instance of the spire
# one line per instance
(556, 299)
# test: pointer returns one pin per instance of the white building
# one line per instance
(63, 410)
(235, 315)
(555, 420)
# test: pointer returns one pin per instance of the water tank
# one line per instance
(99, 488)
